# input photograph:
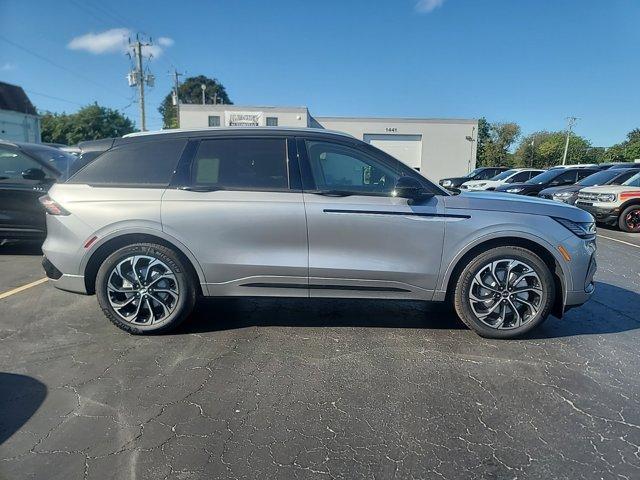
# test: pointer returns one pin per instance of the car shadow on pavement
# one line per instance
(231, 313)
(611, 310)
(20, 398)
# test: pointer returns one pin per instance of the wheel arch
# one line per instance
(557, 271)
(110, 245)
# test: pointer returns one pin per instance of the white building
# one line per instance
(436, 147)
(19, 121)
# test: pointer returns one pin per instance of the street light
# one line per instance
(203, 87)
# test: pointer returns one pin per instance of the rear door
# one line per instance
(237, 205)
(363, 241)
(21, 215)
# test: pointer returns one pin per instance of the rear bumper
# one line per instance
(70, 283)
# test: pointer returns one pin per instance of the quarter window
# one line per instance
(338, 167)
(242, 163)
(141, 163)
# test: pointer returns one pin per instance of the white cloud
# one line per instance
(109, 41)
(166, 41)
(427, 6)
(7, 67)
(114, 41)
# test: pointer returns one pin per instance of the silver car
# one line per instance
(159, 219)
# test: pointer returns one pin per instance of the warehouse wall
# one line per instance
(445, 150)
(197, 116)
(19, 127)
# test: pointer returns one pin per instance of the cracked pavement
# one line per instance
(273, 388)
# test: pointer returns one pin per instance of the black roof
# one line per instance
(12, 97)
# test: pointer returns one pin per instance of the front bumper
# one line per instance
(606, 215)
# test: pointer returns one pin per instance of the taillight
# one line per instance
(51, 206)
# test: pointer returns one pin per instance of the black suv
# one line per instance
(482, 173)
(26, 173)
(554, 177)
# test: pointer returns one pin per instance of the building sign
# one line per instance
(243, 119)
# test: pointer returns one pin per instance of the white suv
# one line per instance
(515, 175)
(614, 204)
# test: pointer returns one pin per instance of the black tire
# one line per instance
(462, 291)
(183, 278)
(623, 220)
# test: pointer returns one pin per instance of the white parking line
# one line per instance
(22, 288)
(621, 241)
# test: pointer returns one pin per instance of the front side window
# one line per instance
(241, 163)
(485, 174)
(14, 162)
(564, 179)
(149, 163)
(624, 177)
(214, 120)
(520, 177)
(338, 167)
(503, 175)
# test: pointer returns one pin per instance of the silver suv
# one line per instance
(159, 219)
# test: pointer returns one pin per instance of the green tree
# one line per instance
(545, 149)
(494, 142)
(92, 122)
(190, 91)
(626, 151)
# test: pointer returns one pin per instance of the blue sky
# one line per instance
(534, 62)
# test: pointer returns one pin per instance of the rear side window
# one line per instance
(145, 163)
(241, 163)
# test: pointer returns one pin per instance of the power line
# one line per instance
(57, 65)
(33, 92)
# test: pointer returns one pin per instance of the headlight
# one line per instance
(580, 229)
(515, 190)
(446, 183)
(607, 197)
(563, 194)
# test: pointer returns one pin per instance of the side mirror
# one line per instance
(34, 174)
(409, 187)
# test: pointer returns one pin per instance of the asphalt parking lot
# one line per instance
(258, 388)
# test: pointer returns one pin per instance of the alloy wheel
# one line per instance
(632, 219)
(506, 294)
(142, 290)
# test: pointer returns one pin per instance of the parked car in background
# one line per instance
(614, 165)
(26, 172)
(482, 173)
(160, 218)
(554, 177)
(614, 205)
(569, 194)
(513, 175)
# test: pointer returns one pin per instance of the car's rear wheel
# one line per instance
(629, 220)
(145, 288)
(504, 292)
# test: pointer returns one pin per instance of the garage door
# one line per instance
(406, 148)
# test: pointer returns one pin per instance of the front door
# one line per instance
(239, 209)
(364, 242)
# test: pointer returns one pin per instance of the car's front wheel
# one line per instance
(629, 220)
(145, 288)
(504, 292)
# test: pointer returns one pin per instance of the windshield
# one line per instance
(598, 178)
(53, 157)
(503, 175)
(633, 181)
(472, 173)
(545, 177)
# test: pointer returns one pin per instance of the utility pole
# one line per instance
(175, 96)
(137, 78)
(571, 121)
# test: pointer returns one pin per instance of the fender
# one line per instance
(151, 228)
